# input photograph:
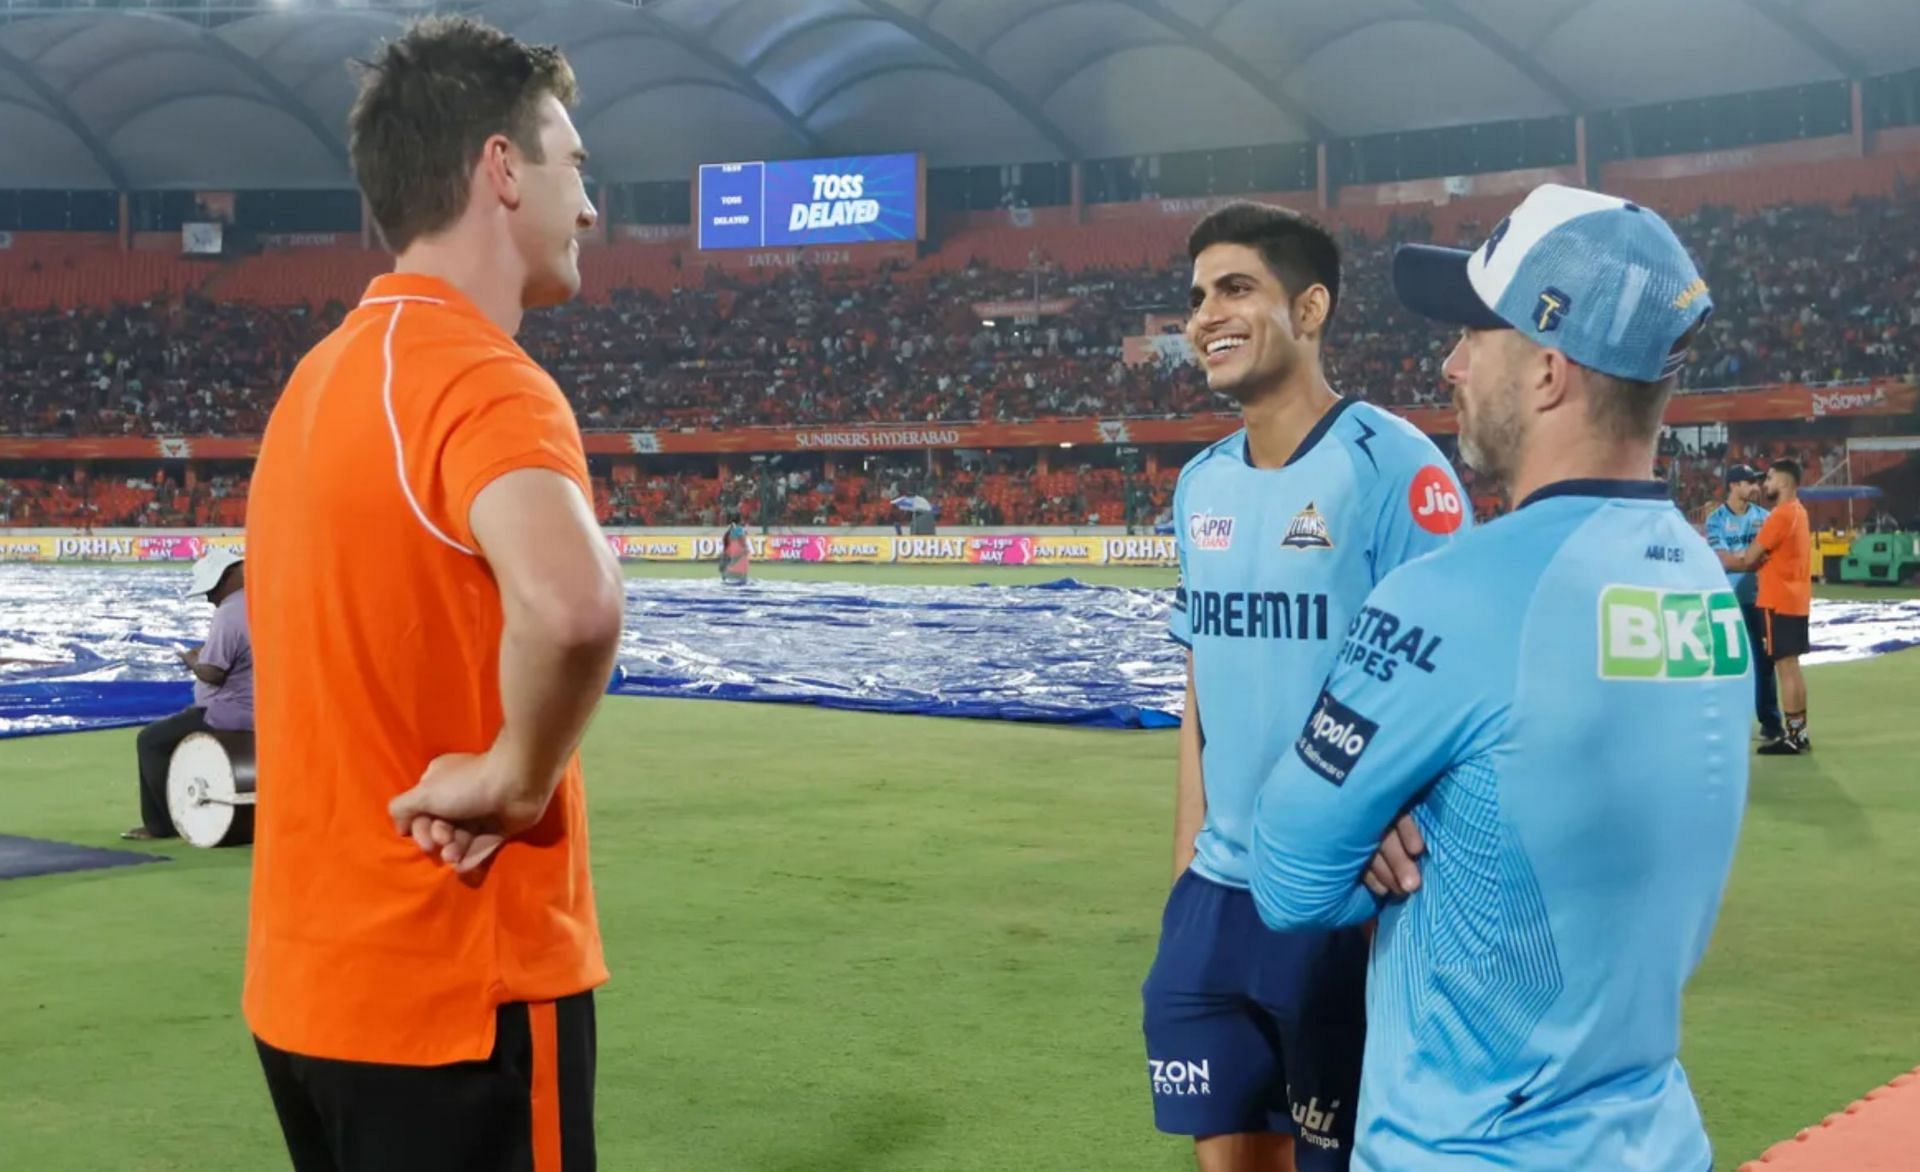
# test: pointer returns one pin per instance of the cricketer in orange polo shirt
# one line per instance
(435, 616)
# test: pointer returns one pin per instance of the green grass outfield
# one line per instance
(848, 942)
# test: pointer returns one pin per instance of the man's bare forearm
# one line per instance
(553, 673)
(561, 597)
(1190, 795)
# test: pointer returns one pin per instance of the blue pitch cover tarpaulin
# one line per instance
(85, 647)
(89, 647)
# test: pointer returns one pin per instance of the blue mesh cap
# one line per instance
(1604, 281)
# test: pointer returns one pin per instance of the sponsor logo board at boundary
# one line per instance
(994, 549)
(143, 547)
(656, 547)
(1068, 551)
(1138, 551)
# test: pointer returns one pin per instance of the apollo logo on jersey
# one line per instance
(1435, 502)
(1671, 635)
(1207, 531)
(1334, 739)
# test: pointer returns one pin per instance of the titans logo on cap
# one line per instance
(1602, 280)
(1553, 307)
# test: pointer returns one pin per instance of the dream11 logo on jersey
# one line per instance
(1435, 502)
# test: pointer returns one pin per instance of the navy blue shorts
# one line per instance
(1252, 1030)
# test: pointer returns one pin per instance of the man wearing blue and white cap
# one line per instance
(1560, 700)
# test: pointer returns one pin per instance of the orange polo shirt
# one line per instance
(1786, 577)
(376, 633)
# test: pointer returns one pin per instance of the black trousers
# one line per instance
(527, 1108)
(1766, 690)
(155, 746)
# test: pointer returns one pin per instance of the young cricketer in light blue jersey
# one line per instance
(1254, 1036)
(1274, 563)
(1731, 528)
(1560, 698)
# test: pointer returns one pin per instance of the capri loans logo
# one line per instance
(1671, 634)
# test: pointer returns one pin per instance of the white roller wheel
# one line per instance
(210, 807)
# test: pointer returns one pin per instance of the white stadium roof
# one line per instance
(241, 94)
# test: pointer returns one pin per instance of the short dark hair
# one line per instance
(1298, 250)
(1788, 466)
(1625, 410)
(428, 103)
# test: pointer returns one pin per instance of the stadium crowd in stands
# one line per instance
(1805, 294)
(996, 493)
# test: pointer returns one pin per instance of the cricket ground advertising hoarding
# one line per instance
(952, 548)
(142, 547)
(983, 549)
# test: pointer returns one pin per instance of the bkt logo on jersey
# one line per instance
(1315, 1125)
(1207, 531)
(1179, 1078)
(1435, 502)
(1334, 738)
(1648, 634)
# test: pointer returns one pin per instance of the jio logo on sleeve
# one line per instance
(1435, 501)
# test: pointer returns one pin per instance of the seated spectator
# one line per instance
(222, 688)
(1803, 293)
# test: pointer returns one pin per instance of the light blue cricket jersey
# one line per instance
(1734, 532)
(1273, 564)
(1562, 698)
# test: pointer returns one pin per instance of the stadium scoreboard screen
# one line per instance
(863, 199)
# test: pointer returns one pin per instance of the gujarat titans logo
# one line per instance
(1308, 530)
(1553, 307)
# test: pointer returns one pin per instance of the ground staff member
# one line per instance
(1782, 552)
(222, 688)
(1731, 529)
